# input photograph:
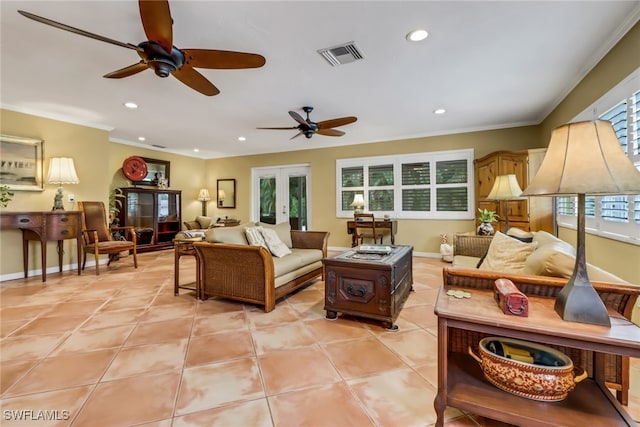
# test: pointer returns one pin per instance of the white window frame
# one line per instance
(397, 161)
(623, 231)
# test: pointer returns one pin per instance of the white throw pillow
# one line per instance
(254, 236)
(506, 254)
(283, 229)
(274, 244)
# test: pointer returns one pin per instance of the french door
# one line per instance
(281, 194)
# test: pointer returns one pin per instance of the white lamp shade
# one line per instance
(585, 158)
(221, 194)
(358, 201)
(203, 196)
(62, 171)
(506, 187)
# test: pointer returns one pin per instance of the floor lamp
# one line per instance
(584, 158)
(506, 188)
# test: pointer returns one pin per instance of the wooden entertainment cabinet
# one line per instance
(461, 383)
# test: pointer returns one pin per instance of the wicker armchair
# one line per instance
(470, 245)
(97, 238)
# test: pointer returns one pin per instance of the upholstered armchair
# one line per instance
(97, 238)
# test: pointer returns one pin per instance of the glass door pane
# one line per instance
(268, 199)
(298, 202)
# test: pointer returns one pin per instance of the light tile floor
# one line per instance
(120, 349)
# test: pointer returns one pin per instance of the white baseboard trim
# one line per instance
(50, 270)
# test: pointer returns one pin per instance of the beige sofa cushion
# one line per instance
(229, 235)
(463, 261)
(506, 254)
(204, 221)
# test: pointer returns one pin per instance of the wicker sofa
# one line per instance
(232, 268)
(619, 297)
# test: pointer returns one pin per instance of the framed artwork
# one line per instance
(157, 173)
(21, 163)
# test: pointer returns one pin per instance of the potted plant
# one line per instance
(5, 195)
(485, 218)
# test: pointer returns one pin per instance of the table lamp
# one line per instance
(584, 158)
(506, 188)
(358, 203)
(204, 197)
(61, 171)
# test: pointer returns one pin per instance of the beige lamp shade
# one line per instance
(506, 187)
(221, 195)
(585, 158)
(62, 171)
(358, 201)
(204, 196)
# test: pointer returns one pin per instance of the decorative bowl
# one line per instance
(527, 369)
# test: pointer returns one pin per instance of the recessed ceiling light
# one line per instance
(142, 138)
(131, 105)
(196, 150)
(242, 138)
(417, 35)
(439, 111)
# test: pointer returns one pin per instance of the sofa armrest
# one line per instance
(470, 245)
(310, 240)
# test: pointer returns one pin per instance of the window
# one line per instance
(614, 216)
(436, 185)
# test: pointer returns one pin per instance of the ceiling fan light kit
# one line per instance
(159, 53)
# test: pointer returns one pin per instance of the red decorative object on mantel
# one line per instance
(510, 299)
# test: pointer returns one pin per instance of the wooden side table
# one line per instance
(184, 247)
(461, 383)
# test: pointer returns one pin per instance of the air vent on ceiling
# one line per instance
(158, 146)
(342, 54)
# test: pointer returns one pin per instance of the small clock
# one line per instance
(134, 168)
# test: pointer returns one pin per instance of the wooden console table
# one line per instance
(461, 383)
(391, 225)
(45, 227)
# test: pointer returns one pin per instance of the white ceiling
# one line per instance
(490, 64)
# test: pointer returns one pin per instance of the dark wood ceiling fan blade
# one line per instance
(127, 71)
(295, 136)
(78, 31)
(157, 22)
(282, 128)
(196, 81)
(298, 118)
(222, 59)
(334, 123)
(330, 132)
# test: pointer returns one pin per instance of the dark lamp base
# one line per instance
(581, 303)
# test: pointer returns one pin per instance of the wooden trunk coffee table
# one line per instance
(368, 285)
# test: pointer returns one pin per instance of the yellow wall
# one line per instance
(89, 147)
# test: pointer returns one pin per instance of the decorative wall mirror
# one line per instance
(226, 193)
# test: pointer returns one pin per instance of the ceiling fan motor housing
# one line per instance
(162, 63)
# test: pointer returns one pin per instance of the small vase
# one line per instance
(485, 229)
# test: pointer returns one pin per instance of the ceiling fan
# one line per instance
(159, 53)
(308, 127)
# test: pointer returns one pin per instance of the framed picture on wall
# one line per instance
(157, 173)
(21, 163)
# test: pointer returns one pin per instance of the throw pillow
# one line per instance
(283, 229)
(517, 233)
(254, 236)
(205, 221)
(506, 255)
(274, 244)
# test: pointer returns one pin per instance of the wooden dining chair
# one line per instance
(97, 238)
(366, 228)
